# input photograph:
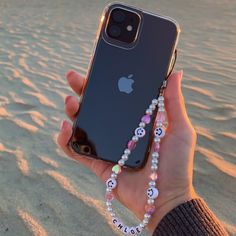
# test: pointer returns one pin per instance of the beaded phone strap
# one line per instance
(152, 190)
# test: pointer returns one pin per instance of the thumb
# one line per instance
(174, 102)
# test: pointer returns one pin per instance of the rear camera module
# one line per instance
(123, 25)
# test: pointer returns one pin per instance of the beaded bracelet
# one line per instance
(152, 191)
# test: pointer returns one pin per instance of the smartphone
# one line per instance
(131, 58)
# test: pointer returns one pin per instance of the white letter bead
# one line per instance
(126, 230)
(139, 229)
(111, 183)
(133, 231)
(120, 226)
(152, 193)
(159, 132)
(115, 220)
(140, 132)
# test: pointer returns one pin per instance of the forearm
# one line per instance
(190, 218)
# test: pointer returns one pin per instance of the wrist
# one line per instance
(165, 207)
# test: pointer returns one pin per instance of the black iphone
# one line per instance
(132, 57)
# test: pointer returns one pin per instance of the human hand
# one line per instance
(175, 163)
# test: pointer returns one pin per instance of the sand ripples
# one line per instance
(40, 41)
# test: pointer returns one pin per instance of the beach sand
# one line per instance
(43, 193)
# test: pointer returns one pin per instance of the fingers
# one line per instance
(75, 81)
(101, 168)
(71, 103)
(71, 107)
(174, 102)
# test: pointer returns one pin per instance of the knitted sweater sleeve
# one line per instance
(190, 218)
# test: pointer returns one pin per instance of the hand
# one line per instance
(175, 163)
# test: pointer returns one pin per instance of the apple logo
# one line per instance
(125, 84)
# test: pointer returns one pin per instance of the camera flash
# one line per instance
(129, 27)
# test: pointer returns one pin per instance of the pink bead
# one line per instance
(109, 196)
(146, 119)
(160, 117)
(156, 147)
(154, 176)
(150, 209)
(131, 145)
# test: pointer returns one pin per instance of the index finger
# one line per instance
(75, 81)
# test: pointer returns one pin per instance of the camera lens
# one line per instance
(114, 31)
(118, 16)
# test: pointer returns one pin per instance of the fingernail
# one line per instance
(67, 99)
(69, 73)
(63, 125)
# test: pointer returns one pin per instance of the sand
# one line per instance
(43, 193)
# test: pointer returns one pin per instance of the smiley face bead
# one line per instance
(140, 132)
(111, 183)
(152, 192)
(159, 132)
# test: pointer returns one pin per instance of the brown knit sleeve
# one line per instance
(190, 218)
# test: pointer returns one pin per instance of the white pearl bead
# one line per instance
(157, 140)
(147, 216)
(124, 157)
(152, 183)
(142, 124)
(140, 132)
(159, 132)
(111, 183)
(145, 221)
(154, 167)
(108, 203)
(155, 154)
(154, 161)
(141, 225)
(152, 107)
(135, 138)
(109, 209)
(161, 98)
(161, 109)
(150, 201)
(108, 189)
(149, 112)
(121, 162)
(113, 214)
(114, 175)
(127, 151)
(152, 192)
(154, 101)
(161, 104)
